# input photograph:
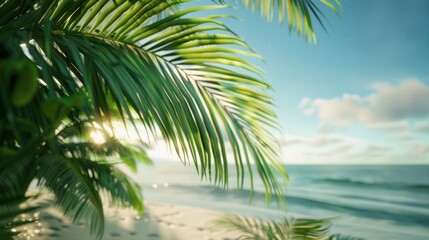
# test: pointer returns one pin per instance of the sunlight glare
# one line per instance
(97, 137)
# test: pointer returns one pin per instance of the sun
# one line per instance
(97, 137)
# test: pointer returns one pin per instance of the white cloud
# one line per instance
(419, 150)
(304, 105)
(421, 127)
(388, 104)
(337, 149)
(406, 136)
(409, 99)
(304, 102)
(344, 109)
(319, 149)
(395, 126)
(318, 141)
(401, 109)
(340, 150)
(326, 127)
(289, 140)
(325, 140)
(377, 149)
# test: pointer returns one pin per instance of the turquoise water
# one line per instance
(376, 202)
(368, 201)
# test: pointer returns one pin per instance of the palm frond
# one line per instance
(300, 13)
(286, 229)
(79, 186)
(184, 77)
(344, 237)
(82, 174)
(15, 180)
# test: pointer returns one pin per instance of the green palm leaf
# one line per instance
(344, 237)
(191, 96)
(80, 184)
(285, 229)
(300, 13)
(250, 228)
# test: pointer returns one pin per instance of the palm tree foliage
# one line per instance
(284, 229)
(72, 67)
(344, 237)
(299, 13)
(16, 213)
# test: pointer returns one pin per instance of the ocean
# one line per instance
(367, 201)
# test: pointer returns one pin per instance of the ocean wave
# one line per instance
(335, 206)
(390, 185)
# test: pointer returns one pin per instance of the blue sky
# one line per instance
(361, 94)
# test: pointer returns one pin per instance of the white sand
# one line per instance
(172, 212)
(160, 221)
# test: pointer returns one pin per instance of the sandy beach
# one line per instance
(160, 221)
(171, 212)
